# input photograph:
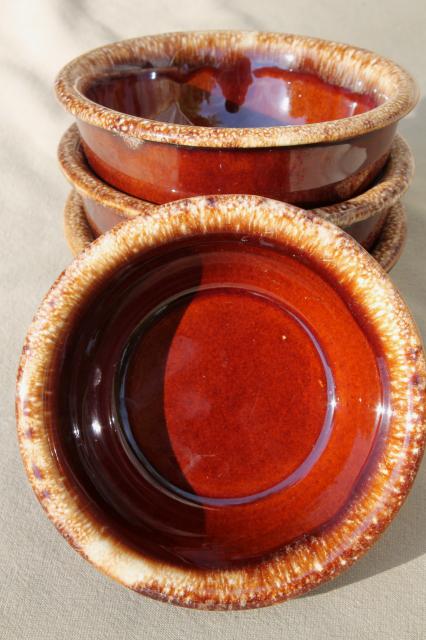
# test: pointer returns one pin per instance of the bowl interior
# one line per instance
(226, 88)
(217, 398)
(223, 76)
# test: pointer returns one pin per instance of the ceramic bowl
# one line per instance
(236, 426)
(136, 103)
(386, 250)
(362, 217)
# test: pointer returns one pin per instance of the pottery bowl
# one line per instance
(362, 216)
(298, 119)
(236, 426)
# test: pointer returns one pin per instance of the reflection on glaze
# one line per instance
(217, 401)
(239, 93)
(180, 370)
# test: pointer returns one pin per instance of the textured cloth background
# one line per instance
(46, 590)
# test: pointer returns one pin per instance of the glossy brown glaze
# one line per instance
(83, 387)
(312, 164)
(212, 415)
(238, 93)
(100, 217)
(309, 176)
(368, 231)
(362, 217)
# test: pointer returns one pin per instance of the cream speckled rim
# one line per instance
(338, 63)
(384, 193)
(297, 567)
(386, 250)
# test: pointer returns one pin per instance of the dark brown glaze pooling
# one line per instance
(240, 92)
(201, 416)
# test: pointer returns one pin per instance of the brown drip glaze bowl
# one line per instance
(362, 216)
(288, 117)
(221, 405)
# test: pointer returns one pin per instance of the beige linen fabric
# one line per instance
(46, 590)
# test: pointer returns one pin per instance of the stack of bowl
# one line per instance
(296, 119)
(221, 402)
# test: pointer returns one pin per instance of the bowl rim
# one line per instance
(386, 191)
(403, 91)
(386, 250)
(311, 560)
